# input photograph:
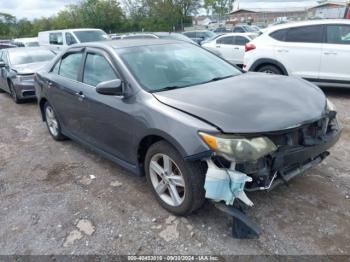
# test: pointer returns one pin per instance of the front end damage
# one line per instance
(296, 150)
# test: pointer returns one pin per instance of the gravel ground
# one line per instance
(61, 198)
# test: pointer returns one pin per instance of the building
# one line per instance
(328, 10)
(268, 15)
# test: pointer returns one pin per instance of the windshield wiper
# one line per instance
(167, 88)
(218, 78)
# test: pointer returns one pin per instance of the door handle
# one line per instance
(80, 95)
(236, 48)
(218, 46)
(283, 50)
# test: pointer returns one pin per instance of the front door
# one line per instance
(107, 125)
(225, 45)
(336, 54)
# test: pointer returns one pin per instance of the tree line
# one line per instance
(116, 16)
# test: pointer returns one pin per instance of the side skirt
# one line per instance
(129, 167)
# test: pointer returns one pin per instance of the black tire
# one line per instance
(193, 174)
(270, 69)
(13, 94)
(56, 136)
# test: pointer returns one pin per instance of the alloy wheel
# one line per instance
(167, 180)
(51, 121)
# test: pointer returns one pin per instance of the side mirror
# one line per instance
(110, 88)
(2, 64)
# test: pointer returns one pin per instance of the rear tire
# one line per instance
(52, 123)
(187, 178)
(270, 69)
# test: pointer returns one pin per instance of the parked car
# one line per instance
(318, 51)
(243, 29)
(222, 30)
(17, 68)
(26, 42)
(193, 123)
(159, 35)
(199, 35)
(6, 45)
(231, 46)
(60, 38)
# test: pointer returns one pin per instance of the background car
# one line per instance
(159, 35)
(26, 42)
(199, 35)
(231, 46)
(17, 68)
(60, 38)
(318, 51)
(243, 29)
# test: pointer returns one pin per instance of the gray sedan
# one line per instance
(17, 68)
(195, 125)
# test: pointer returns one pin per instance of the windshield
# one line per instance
(91, 36)
(171, 66)
(28, 56)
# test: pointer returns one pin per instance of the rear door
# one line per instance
(300, 50)
(65, 92)
(239, 49)
(225, 44)
(336, 54)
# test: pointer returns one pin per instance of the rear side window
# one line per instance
(240, 40)
(97, 70)
(305, 34)
(70, 65)
(227, 40)
(56, 38)
(338, 34)
(279, 35)
(190, 34)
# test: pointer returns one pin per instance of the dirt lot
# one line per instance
(61, 198)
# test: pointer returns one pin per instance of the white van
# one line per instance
(61, 38)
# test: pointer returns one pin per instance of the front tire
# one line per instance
(178, 185)
(270, 69)
(52, 123)
(13, 93)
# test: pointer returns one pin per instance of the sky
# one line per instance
(38, 8)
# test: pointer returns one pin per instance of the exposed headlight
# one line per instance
(239, 149)
(330, 106)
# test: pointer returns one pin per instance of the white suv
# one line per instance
(318, 51)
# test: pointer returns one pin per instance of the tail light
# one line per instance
(249, 47)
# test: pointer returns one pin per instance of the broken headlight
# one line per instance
(239, 149)
(330, 106)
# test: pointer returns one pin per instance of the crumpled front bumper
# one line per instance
(298, 151)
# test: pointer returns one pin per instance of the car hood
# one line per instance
(250, 103)
(29, 68)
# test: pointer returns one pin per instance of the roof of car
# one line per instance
(19, 49)
(308, 22)
(128, 43)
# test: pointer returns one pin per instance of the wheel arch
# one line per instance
(42, 102)
(268, 61)
(148, 140)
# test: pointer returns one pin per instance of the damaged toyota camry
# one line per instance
(195, 125)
